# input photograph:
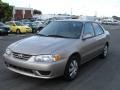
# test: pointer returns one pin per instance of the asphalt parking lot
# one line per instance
(98, 74)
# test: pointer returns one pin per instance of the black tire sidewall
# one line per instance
(66, 73)
(18, 31)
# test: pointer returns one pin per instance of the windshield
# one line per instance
(18, 24)
(28, 23)
(66, 29)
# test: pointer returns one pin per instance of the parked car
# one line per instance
(29, 24)
(24, 20)
(59, 49)
(47, 22)
(17, 27)
(4, 30)
(37, 26)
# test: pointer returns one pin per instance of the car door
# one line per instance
(88, 42)
(100, 38)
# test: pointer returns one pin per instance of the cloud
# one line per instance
(80, 7)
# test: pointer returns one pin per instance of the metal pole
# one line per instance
(71, 11)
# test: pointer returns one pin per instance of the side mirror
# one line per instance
(86, 36)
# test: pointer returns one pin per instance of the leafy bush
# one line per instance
(5, 11)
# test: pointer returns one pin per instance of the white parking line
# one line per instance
(14, 35)
(21, 35)
(11, 35)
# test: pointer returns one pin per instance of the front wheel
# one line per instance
(71, 69)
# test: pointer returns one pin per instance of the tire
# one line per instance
(6, 34)
(71, 70)
(33, 31)
(105, 52)
(18, 31)
(0, 33)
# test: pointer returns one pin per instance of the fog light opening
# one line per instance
(36, 72)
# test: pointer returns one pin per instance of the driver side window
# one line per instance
(88, 31)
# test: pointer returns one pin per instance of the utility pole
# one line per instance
(29, 4)
(71, 11)
(95, 13)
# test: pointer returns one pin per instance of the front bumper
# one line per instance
(29, 30)
(38, 70)
(3, 32)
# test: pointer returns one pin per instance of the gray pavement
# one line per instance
(98, 74)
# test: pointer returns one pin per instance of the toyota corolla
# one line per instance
(58, 50)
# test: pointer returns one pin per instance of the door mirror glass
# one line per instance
(87, 35)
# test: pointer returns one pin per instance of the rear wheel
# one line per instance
(0, 33)
(105, 52)
(71, 69)
(18, 31)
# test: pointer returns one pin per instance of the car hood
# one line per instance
(37, 45)
(4, 27)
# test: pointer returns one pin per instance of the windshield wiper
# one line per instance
(58, 36)
(41, 35)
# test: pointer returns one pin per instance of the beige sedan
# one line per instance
(58, 50)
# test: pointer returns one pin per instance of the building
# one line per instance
(22, 13)
(49, 16)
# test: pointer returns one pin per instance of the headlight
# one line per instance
(8, 51)
(47, 58)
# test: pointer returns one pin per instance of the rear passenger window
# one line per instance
(98, 29)
(88, 31)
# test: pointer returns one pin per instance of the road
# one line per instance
(98, 74)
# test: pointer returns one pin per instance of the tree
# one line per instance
(1, 10)
(5, 11)
(37, 12)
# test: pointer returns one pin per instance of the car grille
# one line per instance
(21, 56)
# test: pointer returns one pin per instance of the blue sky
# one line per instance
(79, 7)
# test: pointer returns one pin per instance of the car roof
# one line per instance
(13, 21)
(77, 20)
